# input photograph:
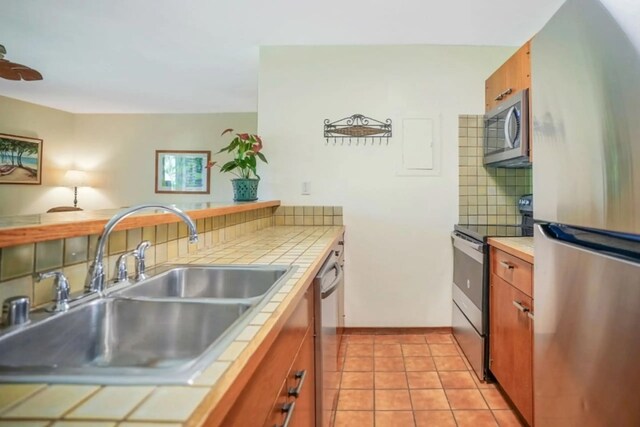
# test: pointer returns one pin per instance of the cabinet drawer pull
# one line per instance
(288, 409)
(503, 94)
(530, 314)
(295, 391)
(507, 265)
(521, 307)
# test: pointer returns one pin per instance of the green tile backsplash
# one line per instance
(49, 255)
(134, 236)
(486, 195)
(149, 233)
(16, 261)
(182, 230)
(172, 231)
(73, 255)
(117, 242)
(76, 250)
(161, 233)
(200, 225)
(309, 215)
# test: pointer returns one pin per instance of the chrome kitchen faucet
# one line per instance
(96, 277)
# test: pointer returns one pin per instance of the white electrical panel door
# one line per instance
(417, 144)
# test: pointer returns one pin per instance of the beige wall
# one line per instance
(117, 149)
(57, 129)
(398, 253)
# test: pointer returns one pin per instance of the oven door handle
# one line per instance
(471, 249)
(336, 282)
(457, 239)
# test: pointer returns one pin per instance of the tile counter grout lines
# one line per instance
(295, 242)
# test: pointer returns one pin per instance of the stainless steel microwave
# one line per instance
(506, 133)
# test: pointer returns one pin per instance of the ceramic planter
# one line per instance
(245, 189)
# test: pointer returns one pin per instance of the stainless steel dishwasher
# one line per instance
(328, 286)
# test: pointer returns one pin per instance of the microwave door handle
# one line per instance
(507, 127)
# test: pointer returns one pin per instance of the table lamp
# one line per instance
(75, 178)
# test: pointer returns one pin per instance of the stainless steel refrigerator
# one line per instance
(586, 157)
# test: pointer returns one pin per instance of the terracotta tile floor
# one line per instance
(414, 381)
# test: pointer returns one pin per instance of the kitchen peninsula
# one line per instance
(21, 229)
(243, 234)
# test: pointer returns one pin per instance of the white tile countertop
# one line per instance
(62, 405)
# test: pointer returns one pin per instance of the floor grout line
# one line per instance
(407, 388)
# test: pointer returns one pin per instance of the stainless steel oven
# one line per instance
(506, 133)
(471, 283)
(470, 300)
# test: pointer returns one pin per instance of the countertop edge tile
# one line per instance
(520, 247)
(163, 404)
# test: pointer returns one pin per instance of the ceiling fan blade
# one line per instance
(10, 75)
(12, 71)
(30, 75)
(7, 72)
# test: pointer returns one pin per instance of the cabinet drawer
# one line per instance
(304, 414)
(279, 411)
(264, 387)
(513, 270)
(296, 399)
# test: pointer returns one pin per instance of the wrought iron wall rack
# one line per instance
(359, 128)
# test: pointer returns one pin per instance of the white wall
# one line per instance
(118, 150)
(398, 245)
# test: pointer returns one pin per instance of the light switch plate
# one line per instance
(306, 188)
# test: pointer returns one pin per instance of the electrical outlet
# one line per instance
(306, 188)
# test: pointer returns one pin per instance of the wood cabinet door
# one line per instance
(511, 344)
(494, 86)
(305, 411)
(512, 77)
(256, 401)
(518, 71)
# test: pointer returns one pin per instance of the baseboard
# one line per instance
(397, 331)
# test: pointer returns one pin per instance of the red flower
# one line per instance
(243, 136)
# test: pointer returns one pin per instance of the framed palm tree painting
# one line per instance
(20, 159)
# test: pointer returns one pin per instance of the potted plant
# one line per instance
(246, 148)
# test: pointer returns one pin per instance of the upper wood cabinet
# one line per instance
(512, 77)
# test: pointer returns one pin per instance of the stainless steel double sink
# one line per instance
(162, 330)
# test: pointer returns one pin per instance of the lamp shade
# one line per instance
(75, 178)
